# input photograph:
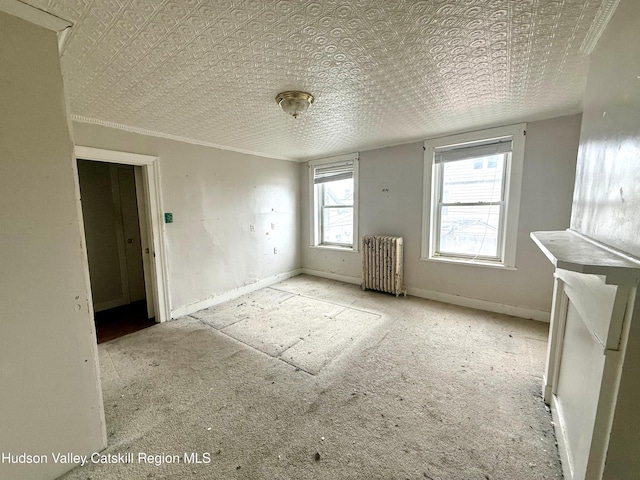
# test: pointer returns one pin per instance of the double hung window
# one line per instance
(475, 194)
(334, 199)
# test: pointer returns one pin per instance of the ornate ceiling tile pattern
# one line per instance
(382, 72)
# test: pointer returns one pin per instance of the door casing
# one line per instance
(150, 201)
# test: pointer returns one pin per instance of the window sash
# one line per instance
(323, 240)
(333, 202)
(321, 213)
(499, 238)
(502, 204)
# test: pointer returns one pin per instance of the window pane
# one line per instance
(338, 193)
(473, 180)
(470, 230)
(337, 225)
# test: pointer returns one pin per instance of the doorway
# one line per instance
(112, 226)
(120, 209)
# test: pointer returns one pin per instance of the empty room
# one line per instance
(319, 240)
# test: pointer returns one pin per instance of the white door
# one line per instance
(131, 232)
(145, 241)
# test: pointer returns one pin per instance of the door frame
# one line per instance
(153, 212)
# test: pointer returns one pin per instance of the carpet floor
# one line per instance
(316, 379)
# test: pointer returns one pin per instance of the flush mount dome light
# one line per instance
(294, 102)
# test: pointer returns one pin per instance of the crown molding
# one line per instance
(34, 15)
(605, 12)
(152, 133)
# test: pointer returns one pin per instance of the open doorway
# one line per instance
(113, 222)
(120, 209)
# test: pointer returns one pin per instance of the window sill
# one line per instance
(335, 247)
(470, 263)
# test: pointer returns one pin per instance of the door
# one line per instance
(145, 240)
(125, 181)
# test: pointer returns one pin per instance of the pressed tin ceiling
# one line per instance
(381, 72)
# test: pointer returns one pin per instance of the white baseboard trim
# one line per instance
(447, 298)
(480, 304)
(230, 295)
(332, 276)
(459, 300)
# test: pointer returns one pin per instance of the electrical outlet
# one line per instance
(275, 250)
(273, 226)
(252, 228)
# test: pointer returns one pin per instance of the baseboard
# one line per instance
(480, 304)
(332, 276)
(447, 298)
(459, 300)
(230, 295)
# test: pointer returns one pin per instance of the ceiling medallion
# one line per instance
(294, 102)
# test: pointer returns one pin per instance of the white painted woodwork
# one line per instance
(513, 188)
(131, 231)
(570, 250)
(50, 394)
(605, 208)
(145, 241)
(576, 393)
(314, 212)
(595, 293)
(148, 188)
(235, 293)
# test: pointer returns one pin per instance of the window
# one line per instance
(333, 185)
(474, 183)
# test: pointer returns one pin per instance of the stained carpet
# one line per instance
(346, 385)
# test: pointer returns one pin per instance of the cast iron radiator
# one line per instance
(382, 264)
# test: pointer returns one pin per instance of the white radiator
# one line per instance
(382, 264)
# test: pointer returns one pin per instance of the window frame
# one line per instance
(512, 186)
(316, 203)
(439, 205)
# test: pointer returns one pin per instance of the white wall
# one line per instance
(49, 383)
(606, 205)
(215, 196)
(391, 203)
(607, 200)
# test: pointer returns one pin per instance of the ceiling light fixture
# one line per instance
(294, 102)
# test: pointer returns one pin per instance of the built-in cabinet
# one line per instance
(593, 327)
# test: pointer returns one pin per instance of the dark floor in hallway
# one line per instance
(120, 321)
